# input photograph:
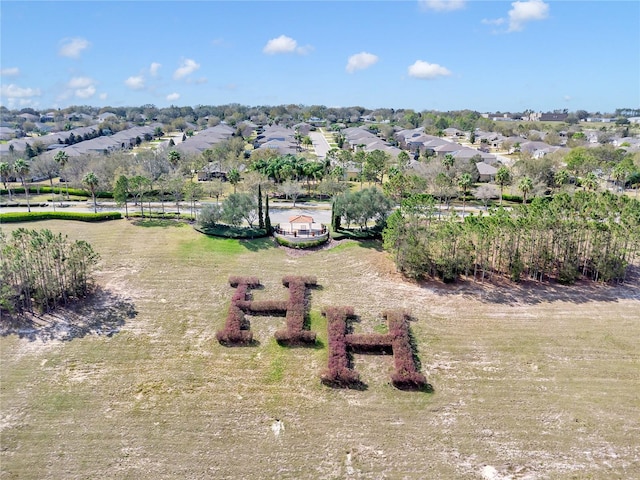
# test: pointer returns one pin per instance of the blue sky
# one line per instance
(435, 54)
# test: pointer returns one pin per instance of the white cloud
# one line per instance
(80, 82)
(523, 12)
(153, 69)
(135, 83)
(86, 92)
(495, 21)
(188, 67)
(103, 96)
(12, 91)
(173, 96)
(83, 87)
(284, 44)
(73, 47)
(10, 72)
(360, 61)
(441, 5)
(426, 70)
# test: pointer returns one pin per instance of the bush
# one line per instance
(79, 216)
(398, 341)
(339, 372)
(406, 375)
(514, 198)
(76, 192)
(236, 330)
(210, 216)
(301, 244)
(296, 309)
(251, 282)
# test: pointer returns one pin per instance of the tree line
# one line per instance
(40, 270)
(588, 234)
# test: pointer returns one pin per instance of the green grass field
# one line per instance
(529, 381)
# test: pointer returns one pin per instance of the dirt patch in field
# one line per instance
(101, 313)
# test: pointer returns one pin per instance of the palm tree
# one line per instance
(464, 182)
(91, 181)
(5, 171)
(174, 158)
(448, 161)
(61, 159)
(234, 178)
(561, 178)
(22, 168)
(619, 175)
(525, 186)
(503, 177)
(590, 181)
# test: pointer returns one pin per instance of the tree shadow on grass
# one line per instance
(372, 245)
(257, 244)
(101, 313)
(158, 222)
(529, 292)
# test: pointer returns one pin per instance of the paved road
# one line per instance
(279, 212)
(320, 144)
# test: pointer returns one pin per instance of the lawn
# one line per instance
(529, 381)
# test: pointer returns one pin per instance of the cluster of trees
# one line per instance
(586, 234)
(41, 270)
(360, 208)
(167, 188)
(290, 167)
(236, 209)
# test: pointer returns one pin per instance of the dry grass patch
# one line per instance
(529, 382)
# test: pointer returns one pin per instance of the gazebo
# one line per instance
(301, 232)
(301, 224)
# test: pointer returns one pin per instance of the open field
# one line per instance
(529, 381)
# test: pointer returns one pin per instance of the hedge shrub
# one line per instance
(339, 372)
(296, 309)
(301, 245)
(236, 330)
(76, 192)
(13, 217)
(398, 341)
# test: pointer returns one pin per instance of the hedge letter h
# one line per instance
(342, 344)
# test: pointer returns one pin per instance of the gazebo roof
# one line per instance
(301, 219)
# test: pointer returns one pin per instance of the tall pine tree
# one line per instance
(260, 215)
(267, 218)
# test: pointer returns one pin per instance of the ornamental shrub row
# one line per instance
(406, 375)
(13, 217)
(76, 192)
(301, 244)
(236, 331)
(398, 341)
(296, 309)
(339, 372)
